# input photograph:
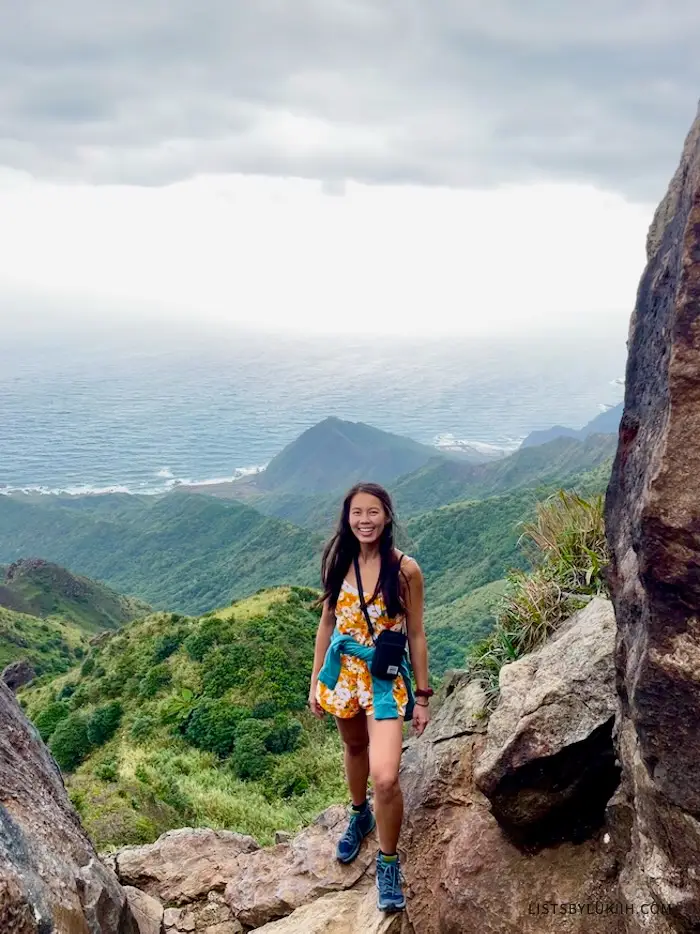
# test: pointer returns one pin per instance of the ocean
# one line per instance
(124, 409)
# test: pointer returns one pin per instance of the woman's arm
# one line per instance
(323, 639)
(418, 645)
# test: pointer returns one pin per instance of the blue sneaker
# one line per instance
(389, 894)
(359, 825)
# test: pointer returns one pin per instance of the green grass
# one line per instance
(51, 645)
(566, 543)
(250, 662)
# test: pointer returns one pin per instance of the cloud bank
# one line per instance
(455, 93)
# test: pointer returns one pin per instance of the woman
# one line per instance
(370, 713)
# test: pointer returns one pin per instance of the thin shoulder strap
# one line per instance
(360, 590)
(403, 626)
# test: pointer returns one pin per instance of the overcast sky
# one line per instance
(335, 164)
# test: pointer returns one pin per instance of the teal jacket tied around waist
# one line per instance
(384, 701)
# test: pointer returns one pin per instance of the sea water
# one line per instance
(138, 411)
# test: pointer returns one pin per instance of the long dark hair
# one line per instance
(341, 548)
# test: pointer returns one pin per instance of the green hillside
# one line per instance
(36, 587)
(176, 721)
(51, 645)
(335, 453)
(465, 551)
(463, 546)
(453, 628)
(183, 552)
(441, 482)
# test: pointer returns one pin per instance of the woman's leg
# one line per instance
(385, 741)
(353, 732)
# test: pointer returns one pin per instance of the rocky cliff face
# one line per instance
(653, 522)
(51, 879)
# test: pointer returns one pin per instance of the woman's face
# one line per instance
(367, 517)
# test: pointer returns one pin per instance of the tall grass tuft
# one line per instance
(567, 548)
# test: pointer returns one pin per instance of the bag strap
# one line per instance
(362, 598)
(360, 590)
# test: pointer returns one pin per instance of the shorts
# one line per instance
(353, 690)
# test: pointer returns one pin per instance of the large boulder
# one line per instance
(17, 674)
(549, 765)
(183, 865)
(352, 911)
(465, 875)
(652, 510)
(272, 882)
(51, 879)
(147, 911)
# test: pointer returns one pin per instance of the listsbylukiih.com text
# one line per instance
(597, 908)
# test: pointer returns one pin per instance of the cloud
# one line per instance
(288, 254)
(454, 93)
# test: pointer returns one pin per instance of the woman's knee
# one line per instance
(386, 784)
(356, 747)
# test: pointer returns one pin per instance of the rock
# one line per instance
(50, 876)
(464, 874)
(549, 766)
(211, 916)
(147, 911)
(459, 708)
(17, 674)
(272, 882)
(350, 912)
(654, 538)
(183, 865)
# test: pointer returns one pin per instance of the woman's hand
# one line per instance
(421, 718)
(314, 705)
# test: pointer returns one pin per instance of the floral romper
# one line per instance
(354, 687)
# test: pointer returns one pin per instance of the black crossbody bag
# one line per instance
(389, 646)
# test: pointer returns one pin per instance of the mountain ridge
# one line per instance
(606, 422)
(36, 587)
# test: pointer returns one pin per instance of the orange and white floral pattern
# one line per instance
(353, 689)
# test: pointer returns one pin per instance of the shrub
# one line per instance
(48, 719)
(107, 771)
(288, 779)
(103, 723)
(284, 737)
(142, 727)
(156, 678)
(88, 666)
(265, 710)
(213, 726)
(568, 539)
(567, 545)
(67, 690)
(250, 759)
(224, 668)
(167, 644)
(198, 643)
(69, 743)
(177, 708)
(80, 696)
